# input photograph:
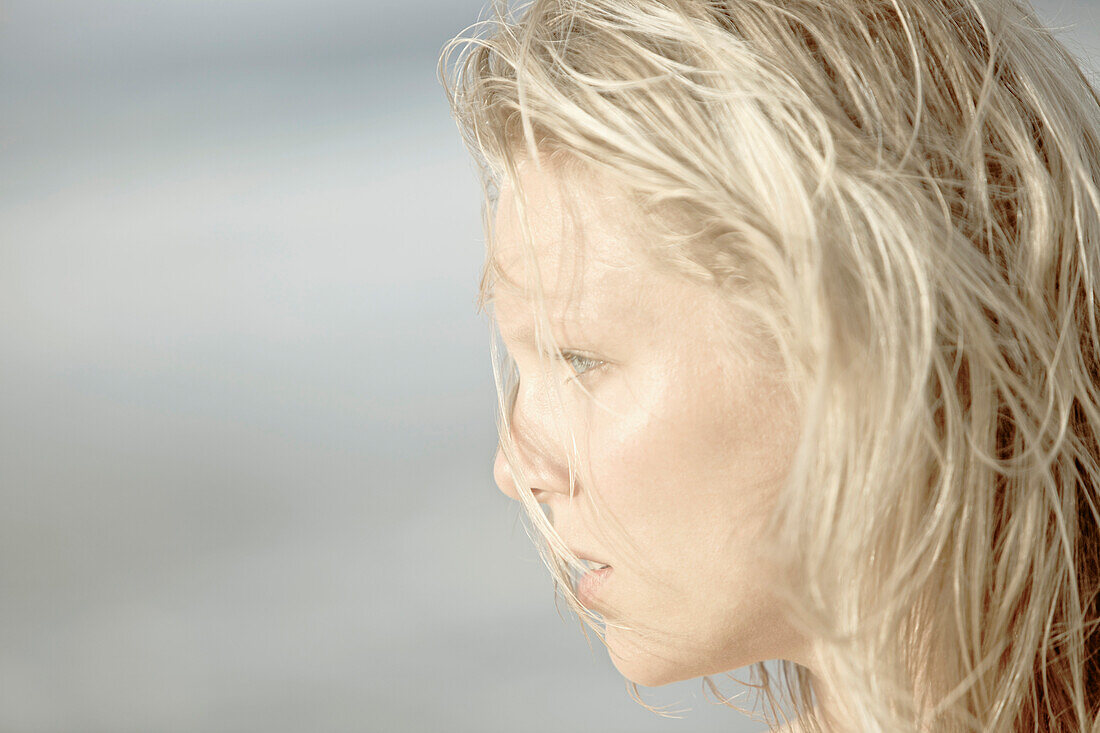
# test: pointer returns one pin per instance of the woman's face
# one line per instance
(686, 430)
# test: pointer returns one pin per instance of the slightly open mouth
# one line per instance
(593, 565)
(589, 585)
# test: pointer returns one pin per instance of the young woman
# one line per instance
(800, 306)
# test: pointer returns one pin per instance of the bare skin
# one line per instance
(687, 430)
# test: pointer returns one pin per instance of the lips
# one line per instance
(588, 587)
(593, 565)
(595, 575)
(590, 563)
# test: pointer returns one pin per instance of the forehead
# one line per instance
(585, 240)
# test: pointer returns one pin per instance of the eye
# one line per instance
(580, 363)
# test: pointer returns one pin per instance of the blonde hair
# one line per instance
(904, 194)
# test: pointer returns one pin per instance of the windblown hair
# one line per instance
(904, 194)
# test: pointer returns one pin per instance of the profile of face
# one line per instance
(685, 426)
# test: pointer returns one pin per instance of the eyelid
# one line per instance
(568, 354)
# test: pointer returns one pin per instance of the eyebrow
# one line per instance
(525, 334)
(576, 321)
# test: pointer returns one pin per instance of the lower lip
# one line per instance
(589, 585)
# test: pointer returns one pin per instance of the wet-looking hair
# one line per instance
(903, 194)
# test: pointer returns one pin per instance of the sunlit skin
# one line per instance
(687, 430)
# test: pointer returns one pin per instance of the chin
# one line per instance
(649, 670)
(649, 675)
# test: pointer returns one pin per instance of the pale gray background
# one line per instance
(245, 401)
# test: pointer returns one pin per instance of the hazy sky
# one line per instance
(246, 412)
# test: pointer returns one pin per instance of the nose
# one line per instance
(545, 472)
(503, 476)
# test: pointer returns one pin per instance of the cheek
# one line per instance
(633, 449)
(689, 460)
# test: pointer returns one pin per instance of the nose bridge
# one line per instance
(531, 430)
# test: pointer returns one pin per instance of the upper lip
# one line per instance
(581, 555)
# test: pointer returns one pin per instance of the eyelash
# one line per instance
(570, 358)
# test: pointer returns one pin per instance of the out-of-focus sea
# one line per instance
(246, 409)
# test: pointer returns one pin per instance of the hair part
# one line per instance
(903, 194)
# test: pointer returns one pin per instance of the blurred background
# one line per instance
(246, 407)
